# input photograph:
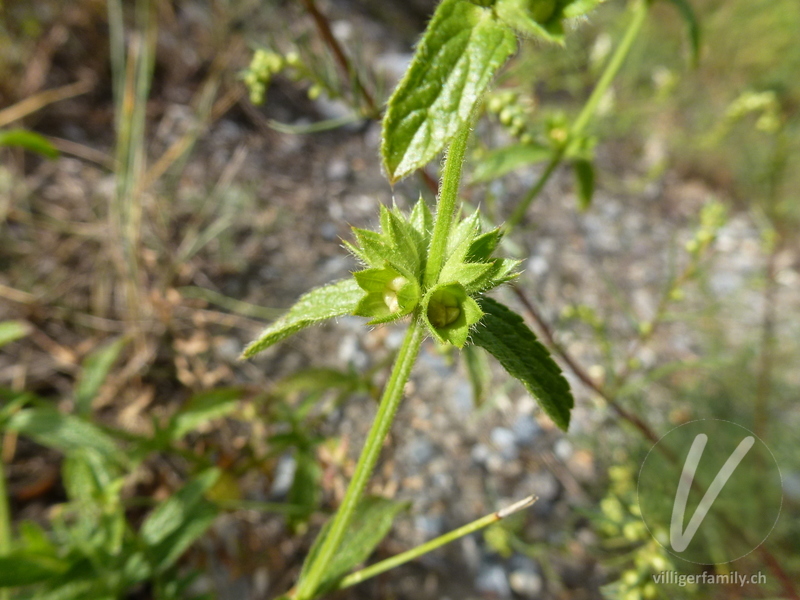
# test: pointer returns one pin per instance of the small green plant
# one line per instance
(90, 548)
(432, 270)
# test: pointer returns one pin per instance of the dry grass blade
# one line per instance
(38, 101)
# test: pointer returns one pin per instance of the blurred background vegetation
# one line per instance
(152, 218)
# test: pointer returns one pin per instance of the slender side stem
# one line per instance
(445, 210)
(612, 68)
(392, 395)
(645, 429)
(349, 71)
(533, 193)
(588, 110)
(404, 557)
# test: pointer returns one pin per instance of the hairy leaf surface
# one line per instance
(505, 336)
(462, 48)
(320, 304)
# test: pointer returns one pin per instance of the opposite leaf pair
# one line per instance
(453, 308)
(394, 280)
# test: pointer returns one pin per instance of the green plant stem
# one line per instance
(524, 204)
(400, 559)
(445, 210)
(392, 395)
(589, 109)
(5, 523)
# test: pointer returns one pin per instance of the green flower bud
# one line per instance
(390, 295)
(449, 312)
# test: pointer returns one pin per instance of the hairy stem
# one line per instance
(588, 111)
(392, 395)
(445, 210)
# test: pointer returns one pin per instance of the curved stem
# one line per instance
(445, 209)
(392, 395)
(588, 110)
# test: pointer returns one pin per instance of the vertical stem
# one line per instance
(392, 395)
(5, 523)
(588, 111)
(445, 210)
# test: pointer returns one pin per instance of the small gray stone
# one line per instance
(284, 475)
(492, 582)
(504, 440)
(526, 430)
(525, 578)
(480, 453)
(337, 169)
(420, 451)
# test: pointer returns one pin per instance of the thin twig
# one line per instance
(579, 372)
(344, 63)
(772, 562)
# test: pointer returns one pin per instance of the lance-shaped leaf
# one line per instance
(11, 331)
(584, 179)
(373, 520)
(692, 25)
(33, 142)
(462, 48)
(505, 336)
(503, 160)
(320, 304)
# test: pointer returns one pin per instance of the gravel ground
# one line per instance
(282, 204)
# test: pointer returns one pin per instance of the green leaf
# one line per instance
(86, 475)
(11, 331)
(320, 304)
(372, 521)
(197, 521)
(176, 510)
(484, 245)
(25, 568)
(462, 48)
(502, 161)
(33, 142)
(537, 18)
(421, 218)
(203, 408)
(693, 26)
(584, 179)
(65, 433)
(505, 336)
(578, 8)
(317, 380)
(33, 539)
(304, 492)
(96, 367)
